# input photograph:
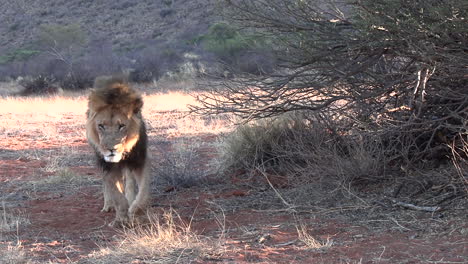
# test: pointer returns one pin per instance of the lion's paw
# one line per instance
(107, 209)
(119, 223)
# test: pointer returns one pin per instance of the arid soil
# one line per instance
(51, 199)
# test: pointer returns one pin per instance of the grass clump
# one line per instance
(165, 239)
(13, 254)
(301, 147)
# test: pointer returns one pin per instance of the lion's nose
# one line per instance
(113, 149)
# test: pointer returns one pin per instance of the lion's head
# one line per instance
(113, 118)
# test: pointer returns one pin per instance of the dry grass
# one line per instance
(297, 146)
(49, 105)
(165, 239)
(312, 243)
(40, 114)
(64, 176)
(13, 254)
(179, 167)
(10, 222)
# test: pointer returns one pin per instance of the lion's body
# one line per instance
(116, 130)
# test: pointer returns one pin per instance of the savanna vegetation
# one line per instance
(312, 129)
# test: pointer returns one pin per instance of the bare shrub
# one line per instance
(151, 62)
(40, 85)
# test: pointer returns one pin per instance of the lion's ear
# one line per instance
(137, 105)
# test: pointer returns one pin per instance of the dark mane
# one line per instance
(114, 92)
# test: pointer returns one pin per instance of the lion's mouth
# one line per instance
(113, 157)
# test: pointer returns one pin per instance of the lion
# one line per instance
(116, 130)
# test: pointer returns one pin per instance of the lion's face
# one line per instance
(116, 134)
(113, 119)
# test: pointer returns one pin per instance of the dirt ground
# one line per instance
(51, 199)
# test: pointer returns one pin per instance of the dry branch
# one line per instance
(417, 208)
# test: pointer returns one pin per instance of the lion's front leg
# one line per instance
(143, 180)
(108, 204)
(114, 187)
(129, 186)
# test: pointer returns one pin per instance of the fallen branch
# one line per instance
(418, 208)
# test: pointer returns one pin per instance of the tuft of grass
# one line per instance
(165, 239)
(13, 254)
(10, 222)
(312, 243)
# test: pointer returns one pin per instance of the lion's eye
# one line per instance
(121, 126)
(101, 127)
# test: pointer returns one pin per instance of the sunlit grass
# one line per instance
(311, 242)
(52, 106)
(166, 238)
(172, 101)
(55, 105)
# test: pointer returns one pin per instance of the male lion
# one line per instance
(116, 130)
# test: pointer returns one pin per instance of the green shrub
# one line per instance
(18, 55)
(62, 36)
(227, 42)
